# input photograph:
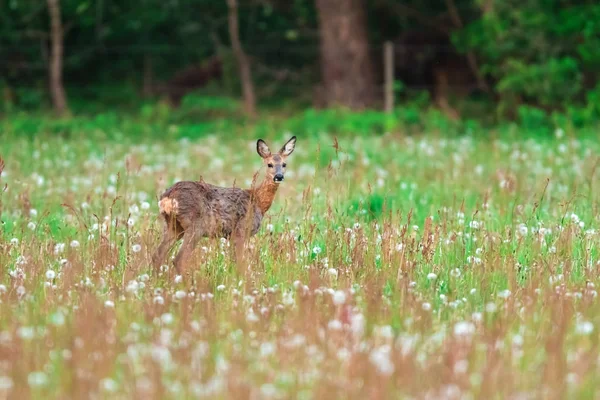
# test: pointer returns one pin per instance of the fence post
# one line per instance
(388, 63)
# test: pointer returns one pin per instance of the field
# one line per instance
(389, 266)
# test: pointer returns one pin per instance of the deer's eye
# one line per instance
(270, 165)
(284, 165)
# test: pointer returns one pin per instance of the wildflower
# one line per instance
(50, 274)
(270, 227)
(455, 273)
(584, 328)
(130, 222)
(316, 250)
(74, 244)
(431, 276)
(37, 378)
(426, 306)
(31, 225)
(33, 212)
(522, 230)
(334, 325)
(132, 286)
(339, 297)
(14, 242)
(108, 385)
(475, 224)
(220, 288)
(505, 294)
(136, 248)
(109, 304)
(268, 390)
(180, 294)
(167, 318)
(333, 272)
(473, 291)
(464, 328)
(178, 279)
(145, 205)
(380, 358)
(6, 383)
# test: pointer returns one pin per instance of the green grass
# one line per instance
(404, 266)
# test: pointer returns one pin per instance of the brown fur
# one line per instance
(192, 210)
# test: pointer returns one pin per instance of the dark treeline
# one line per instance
(539, 53)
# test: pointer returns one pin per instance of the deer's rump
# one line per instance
(211, 210)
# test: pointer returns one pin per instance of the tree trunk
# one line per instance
(346, 65)
(242, 60)
(57, 91)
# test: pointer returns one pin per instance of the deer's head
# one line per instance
(276, 163)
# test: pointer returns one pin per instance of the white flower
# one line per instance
(132, 286)
(522, 229)
(59, 248)
(464, 328)
(334, 325)
(6, 383)
(109, 304)
(339, 297)
(180, 294)
(109, 385)
(158, 299)
(584, 328)
(426, 306)
(74, 244)
(130, 222)
(220, 288)
(455, 273)
(473, 291)
(505, 294)
(491, 307)
(50, 274)
(268, 390)
(33, 212)
(333, 272)
(380, 358)
(178, 279)
(270, 227)
(14, 242)
(431, 276)
(136, 248)
(145, 205)
(475, 224)
(31, 225)
(167, 318)
(316, 250)
(37, 378)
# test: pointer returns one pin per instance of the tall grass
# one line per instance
(388, 267)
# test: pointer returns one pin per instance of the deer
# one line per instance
(192, 210)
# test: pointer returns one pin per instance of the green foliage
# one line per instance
(538, 51)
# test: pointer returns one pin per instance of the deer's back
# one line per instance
(215, 211)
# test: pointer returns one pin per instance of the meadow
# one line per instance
(390, 266)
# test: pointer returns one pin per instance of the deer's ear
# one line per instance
(289, 147)
(262, 149)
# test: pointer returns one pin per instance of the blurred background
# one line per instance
(535, 62)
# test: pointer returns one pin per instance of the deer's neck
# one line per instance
(264, 194)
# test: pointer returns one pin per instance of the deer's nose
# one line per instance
(278, 177)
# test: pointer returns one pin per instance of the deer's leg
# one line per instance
(168, 240)
(190, 240)
(239, 249)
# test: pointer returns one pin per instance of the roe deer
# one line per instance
(193, 210)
